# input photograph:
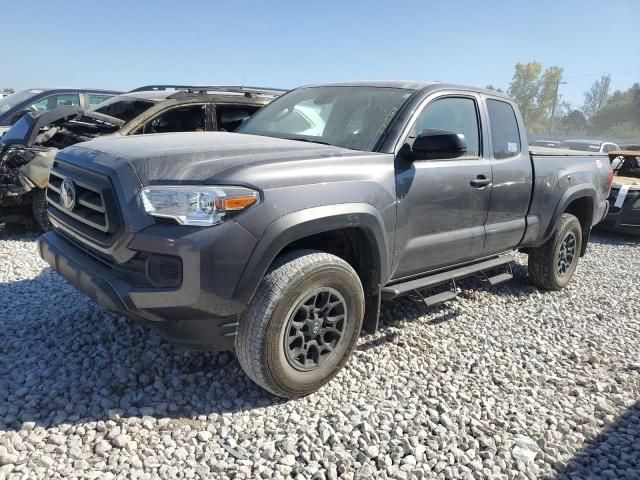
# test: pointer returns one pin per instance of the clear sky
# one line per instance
(121, 45)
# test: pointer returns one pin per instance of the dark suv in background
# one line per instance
(13, 107)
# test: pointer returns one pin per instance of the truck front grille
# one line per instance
(93, 212)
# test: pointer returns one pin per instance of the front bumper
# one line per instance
(199, 314)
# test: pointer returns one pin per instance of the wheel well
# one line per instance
(582, 209)
(356, 247)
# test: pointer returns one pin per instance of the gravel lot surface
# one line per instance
(504, 383)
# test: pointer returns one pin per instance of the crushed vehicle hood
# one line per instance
(196, 157)
(76, 123)
(28, 148)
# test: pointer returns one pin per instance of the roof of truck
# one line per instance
(161, 95)
(410, 85)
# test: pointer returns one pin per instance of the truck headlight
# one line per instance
(196, 205)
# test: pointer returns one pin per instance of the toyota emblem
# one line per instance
(68, 194)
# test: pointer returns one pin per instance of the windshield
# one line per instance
(349, 117)
(124, 108)
(10, 102)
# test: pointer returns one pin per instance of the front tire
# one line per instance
(552, 265)
(302, 325)
(40, 209)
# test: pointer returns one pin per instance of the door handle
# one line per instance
(480, 181)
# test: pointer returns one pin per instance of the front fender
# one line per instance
(303, 223)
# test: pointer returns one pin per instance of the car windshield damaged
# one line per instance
(348, 117)
(28, 148)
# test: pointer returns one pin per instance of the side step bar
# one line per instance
(434, 280)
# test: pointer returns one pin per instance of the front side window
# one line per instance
(124, 108)
(353, 117)
(505, 136)
(56, 101)
(230, 117)
(455, 114)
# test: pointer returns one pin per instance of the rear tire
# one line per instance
(302, 325)
(551, 266)
(40, 209)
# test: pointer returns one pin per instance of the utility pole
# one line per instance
(555, 101)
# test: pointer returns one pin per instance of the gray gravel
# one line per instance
(503, 383)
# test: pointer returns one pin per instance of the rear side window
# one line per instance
(124, 108)
(505, 136)
(95, 100)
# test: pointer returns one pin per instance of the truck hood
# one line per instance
(196, 157)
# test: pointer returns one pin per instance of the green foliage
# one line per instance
(620, 116)
(604, 114)
(573, 122)
(534, 91)
(627, 130)
(596, 97)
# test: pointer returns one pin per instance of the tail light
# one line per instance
(610, 181)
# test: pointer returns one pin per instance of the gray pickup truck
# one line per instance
(281, 241)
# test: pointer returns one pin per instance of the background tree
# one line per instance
(525, 88)
(620, 117)
(573, 122)
(596, 97)
(8, 90)
(534, 91)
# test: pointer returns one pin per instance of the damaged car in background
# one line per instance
(27, 149)
(26, 155)
(624, 198)
(38, 100)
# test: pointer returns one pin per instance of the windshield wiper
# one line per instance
(302, 139)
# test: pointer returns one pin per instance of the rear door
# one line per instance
(512, 178)
(442, 203)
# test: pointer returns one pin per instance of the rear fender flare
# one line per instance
(573, 193)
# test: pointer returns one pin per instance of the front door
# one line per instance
(442, 203)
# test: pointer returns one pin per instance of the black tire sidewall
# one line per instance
(574, 226)
(278, 367)
(39, 208)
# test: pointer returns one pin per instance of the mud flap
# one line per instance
(371, 312)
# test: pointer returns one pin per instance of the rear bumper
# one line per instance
(186, 315)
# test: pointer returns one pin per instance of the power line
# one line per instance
(626, 69)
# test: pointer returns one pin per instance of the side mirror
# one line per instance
(438, 144)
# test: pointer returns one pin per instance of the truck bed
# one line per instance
(562, 152)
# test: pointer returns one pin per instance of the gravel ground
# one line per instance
(503, 383)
